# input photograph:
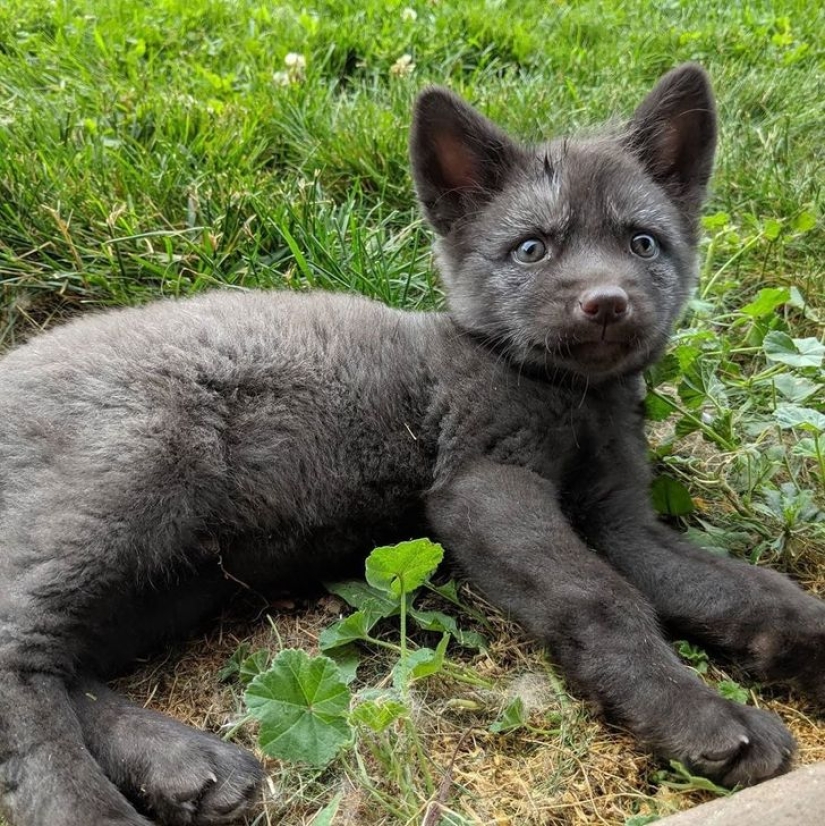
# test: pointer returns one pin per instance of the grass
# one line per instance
(165, 148)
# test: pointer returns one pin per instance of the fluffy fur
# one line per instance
(152, 458)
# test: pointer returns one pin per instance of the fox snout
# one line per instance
(603, 305)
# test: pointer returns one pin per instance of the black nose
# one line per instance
(604, 305)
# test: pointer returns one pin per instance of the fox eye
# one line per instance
(644, 245)
(530, 251)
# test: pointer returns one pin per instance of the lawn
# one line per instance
(168, 147)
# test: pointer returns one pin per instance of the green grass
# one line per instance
(162, 148)
(149, 148)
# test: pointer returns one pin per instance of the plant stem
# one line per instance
(715, 437)
(405, 687)
(820, 458)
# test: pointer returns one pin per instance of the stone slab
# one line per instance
(795, 799)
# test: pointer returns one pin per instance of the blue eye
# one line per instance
(644, 245)
(530, 251)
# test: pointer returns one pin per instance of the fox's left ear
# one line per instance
(673, 132)
(460, 160)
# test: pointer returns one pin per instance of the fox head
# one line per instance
(576, 255)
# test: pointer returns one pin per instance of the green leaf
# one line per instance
(433, 620)
(513, 716)
(439, 621)
(359, 594)
(253, 665)
(696, 656)
(685, 426)
(399, 569)
(731, 690)
(670, 497)
(641, 820)
(766, 301)
(804, 222)
(795, 388)
(423, 662)
(325, 816)
(302, 705)
(658, 408)
(379, 713)
(811, 351)
(795, 352)
(806, 449)
(701, 309)
(707, 540)
(716, 222)
(233, 664)
(353, 628)
(347, 658)
(471, 639)
(665, 370)
(700, 383)
(793, 506)
(449, 590)
(686, 355)
(794, 416)
(772, 229)
(686, 780)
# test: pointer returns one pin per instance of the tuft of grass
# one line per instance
(164, 148)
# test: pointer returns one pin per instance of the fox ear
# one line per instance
(673, 132)
(459, 158)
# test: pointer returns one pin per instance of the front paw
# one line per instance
(748, 746)
(198, 780)
(732, 744)
(794, 653)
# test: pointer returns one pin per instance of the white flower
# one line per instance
(295, 61)
(403, 66)
(295, 70)
(409, 14)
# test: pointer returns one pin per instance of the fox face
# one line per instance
(575, 256)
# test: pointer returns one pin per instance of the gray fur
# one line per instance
(152, 458)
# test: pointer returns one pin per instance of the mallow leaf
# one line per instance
(399, 569)
(378, 713)
(353, 628)
(670, 497)
(302, 704)
(347, 658)
(423, 662)
(795, 352)
(359, 594)
(439, 621)
(806, 418)
(795, 388)
(766, 301)
(513, 716)
(253, 665)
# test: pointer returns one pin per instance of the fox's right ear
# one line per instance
(459, 158)
(673, 132)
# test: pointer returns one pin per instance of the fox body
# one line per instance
(153, 458)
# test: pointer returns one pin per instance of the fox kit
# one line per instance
(152, 458)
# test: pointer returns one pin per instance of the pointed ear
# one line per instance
(673, 132)
(459, 158)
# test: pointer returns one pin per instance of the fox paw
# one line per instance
(198, 780)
